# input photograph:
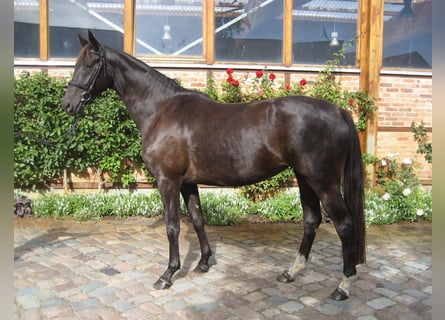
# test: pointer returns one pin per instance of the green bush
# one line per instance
(268, 188)
(224, 209)
(40, 145)
(230, 209)
(46, 142)
(284, 207)
(409, 204)
(93, 206)
(421, 137)
(397, 195)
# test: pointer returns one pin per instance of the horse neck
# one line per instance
(140, 87)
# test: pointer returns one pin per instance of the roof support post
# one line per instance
(44, 30)
(370, 55)
(129, 26)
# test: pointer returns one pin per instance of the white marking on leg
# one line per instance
(299, 264)
(345, 284)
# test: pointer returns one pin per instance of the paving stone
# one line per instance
(132, 274)
(367, 318)
(291, 307)
(206, 306)
(88, 287)
(103, 291)
(428, 290)
(105, 270)
(386, 292)
(122, 306)
(84, 304)
(271, 312)
(418, 265)
(328, 309)
(28, 301)
(52, 311)
(379, 274)
(405, 299)
(174, 305)
(309, 301)
(380, 303)
(255, 296)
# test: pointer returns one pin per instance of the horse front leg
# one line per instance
(190, 194)
(170, 198)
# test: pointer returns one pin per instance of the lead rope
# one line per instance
(70, 131)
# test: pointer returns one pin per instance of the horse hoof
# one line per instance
(162, 284)
(285, 277)
(202, 268)
(339, 295)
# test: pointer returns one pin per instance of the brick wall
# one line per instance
(403, 99)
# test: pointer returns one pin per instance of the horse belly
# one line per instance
(234, 167)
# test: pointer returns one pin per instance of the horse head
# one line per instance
(89, 78)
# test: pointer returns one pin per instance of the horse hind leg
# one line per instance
(339, 213)
(312, 219)
(190, 194)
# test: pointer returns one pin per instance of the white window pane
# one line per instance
(169, 27)
(68, 18)
(249, 30)
(408, 34)
(323, 27)
(26, 28)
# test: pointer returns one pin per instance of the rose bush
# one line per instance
(397, 195)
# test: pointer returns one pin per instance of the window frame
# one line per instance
(364, 44)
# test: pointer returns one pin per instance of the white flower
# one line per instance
(383, 162)
(407, 161)
(406, 192)
(386, 197)
(420, 212)
(390, 155)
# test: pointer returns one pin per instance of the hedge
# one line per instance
(47, 141)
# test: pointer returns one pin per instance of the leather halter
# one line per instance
(86, 93)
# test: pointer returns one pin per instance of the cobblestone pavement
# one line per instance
(105, 270)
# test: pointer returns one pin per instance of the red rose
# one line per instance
(288, 87)
(229, 71)
(351, 102)
(230, 79)
(303, 82)
(259, 74)
(235, 83)
(272, 76)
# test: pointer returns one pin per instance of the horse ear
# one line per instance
(83, 41)
(96, 45)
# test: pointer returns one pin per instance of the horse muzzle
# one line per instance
(72, 108)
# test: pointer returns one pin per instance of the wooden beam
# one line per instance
(287, 33)
(370, 59)
(363, 42)
(129, 26)
(44, 30)
(208, 31)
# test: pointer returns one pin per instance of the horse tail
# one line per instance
(353, 189)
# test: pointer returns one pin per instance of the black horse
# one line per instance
(187, 139)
